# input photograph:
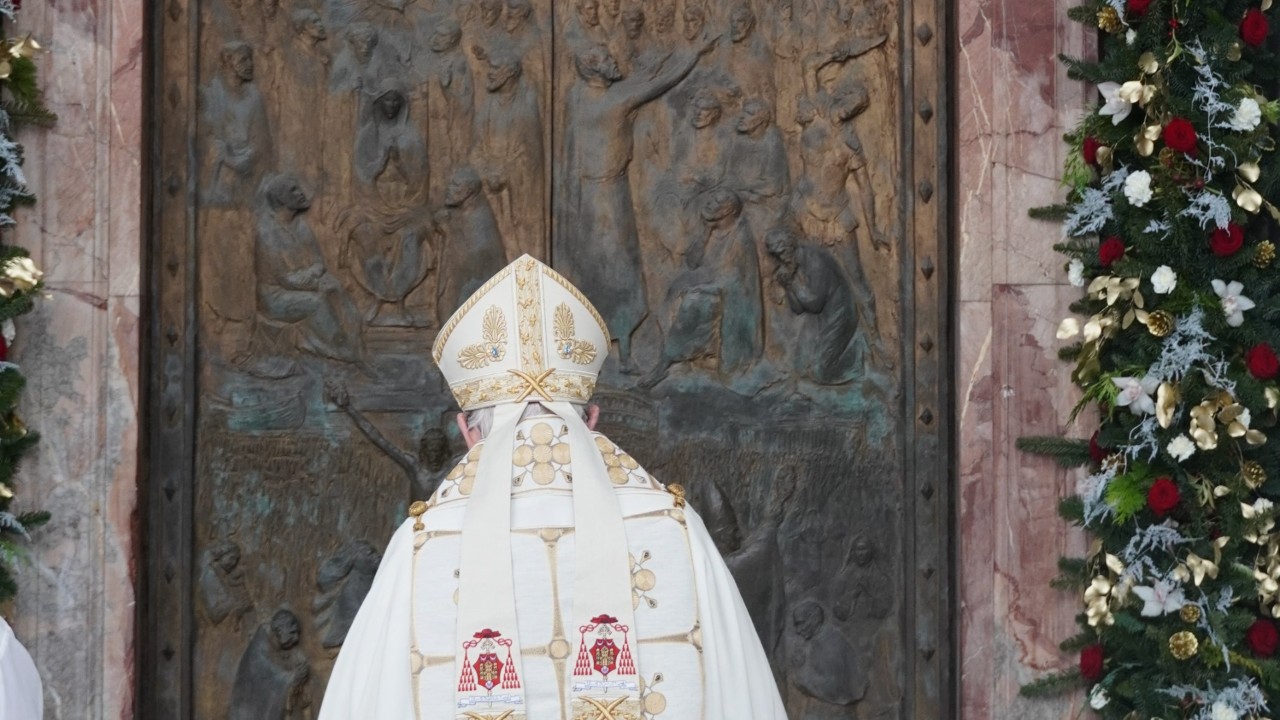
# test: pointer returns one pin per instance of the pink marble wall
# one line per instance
(1014, 103)
(80, 351)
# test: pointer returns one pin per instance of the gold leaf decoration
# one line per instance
(570, 348)
(494, 347)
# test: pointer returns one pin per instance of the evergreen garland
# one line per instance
(21, 105)
(1172, 181)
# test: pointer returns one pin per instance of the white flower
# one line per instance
(1244, 418)
(1164, 279)
(1233, 303)
(1114, 105)
(1130, 36)
(1137, 188)
(1135, 394)
(1161, 598)
(1262, 505)
(1248, 116)
(1223, 711)
(1181, 448)
(1075, 272)
(1098, 698)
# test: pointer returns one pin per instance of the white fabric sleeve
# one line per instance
(739, 681)
(21, 696)
(372, 678)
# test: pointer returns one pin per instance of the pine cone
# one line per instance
(1160, 323)
(1254, 475)
(1189, 613)
(1109, 20)
(1183, 645)
(1265, 253)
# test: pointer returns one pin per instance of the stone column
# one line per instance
(1014, 103)
(80, 351)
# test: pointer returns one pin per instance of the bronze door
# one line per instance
(752, 193)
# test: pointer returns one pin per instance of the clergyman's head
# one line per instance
(781, 243)
(756, 114)
(503, 69)
(741, 22)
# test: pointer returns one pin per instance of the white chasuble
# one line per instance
(693, 646)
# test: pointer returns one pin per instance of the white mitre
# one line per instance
(526, 334)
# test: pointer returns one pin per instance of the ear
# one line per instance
(593, 416)
(471, 436)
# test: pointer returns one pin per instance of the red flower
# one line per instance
(1096, 451)
(1111, 250)
(1163, 496)
(1138, 7)
(1227, 242)
(1091, 663)
(4, 348)
(1262, 361)
(1090, 150)
(1180, 135)
(1254, 28)
(1262, 638)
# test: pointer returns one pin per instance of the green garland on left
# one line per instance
(21, 104)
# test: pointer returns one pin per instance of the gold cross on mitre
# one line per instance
(533, 384)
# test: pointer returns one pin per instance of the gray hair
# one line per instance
(482, 418)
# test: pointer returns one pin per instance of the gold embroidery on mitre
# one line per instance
(569, 347)
(492, 390)
(529, 310)
(494, 347)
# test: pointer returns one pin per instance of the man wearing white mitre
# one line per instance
(549, 577)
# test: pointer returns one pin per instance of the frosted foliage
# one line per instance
(1157, 226)
(1091, 490)
(1185, 348)
(1206, 207)
(1143, 440)
(9, 523)
(1094, 208)
(1162, 538)
(1242, 696)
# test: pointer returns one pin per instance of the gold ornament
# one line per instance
(1183, 645)
(417, 510)
(677, 494)
(1109, 20)
(1166, 404)
(1189, 613)
(1265, 253)
(1254, 475)
(1160, 323)
(6, 492)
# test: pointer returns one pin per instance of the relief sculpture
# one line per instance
(722, 179)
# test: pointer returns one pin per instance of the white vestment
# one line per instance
(21, 696)
(698, 654)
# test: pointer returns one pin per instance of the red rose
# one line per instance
(1138, 7)
(1111, 250)
(1262, 361)
(1090, 150)
(1091, 663)
(1180, 134)
(1254, 28)
(1262, 638)
(1227, 242)
(1163, 496)
(4, 348)
(1096, 451)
